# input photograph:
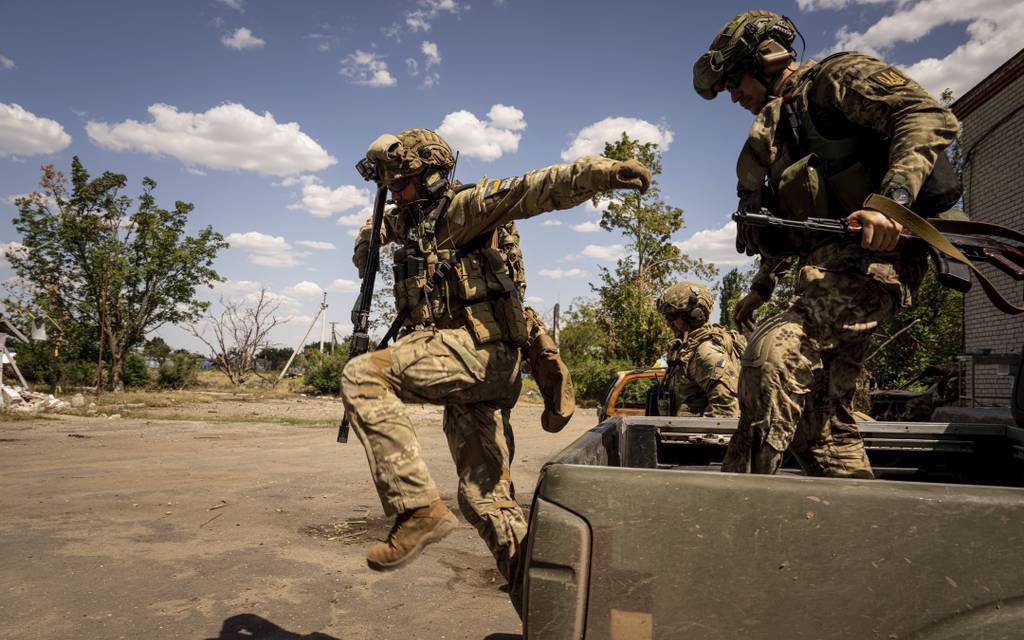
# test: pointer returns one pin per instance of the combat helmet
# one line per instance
(412, 152)
(690, 299)
(757, 41)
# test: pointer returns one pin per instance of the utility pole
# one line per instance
(323, 308)
(323, 322)
(334, 336)
(555, 333)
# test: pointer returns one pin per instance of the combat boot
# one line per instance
(413, 530)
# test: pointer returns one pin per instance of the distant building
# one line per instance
(992, 114)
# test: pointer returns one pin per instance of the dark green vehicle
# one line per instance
(634, 533)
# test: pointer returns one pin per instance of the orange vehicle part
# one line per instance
(621, 401)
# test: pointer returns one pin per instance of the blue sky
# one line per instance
(256, 111)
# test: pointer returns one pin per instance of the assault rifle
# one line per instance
(967, 236)
(360, 343)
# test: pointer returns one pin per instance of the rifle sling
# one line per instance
(929, 232)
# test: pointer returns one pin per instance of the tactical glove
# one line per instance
(631, 175)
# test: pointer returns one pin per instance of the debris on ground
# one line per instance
(21, 400)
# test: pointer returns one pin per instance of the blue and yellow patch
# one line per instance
(720, 364)
(497, 187)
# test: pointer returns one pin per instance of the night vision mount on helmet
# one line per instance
(760, 42)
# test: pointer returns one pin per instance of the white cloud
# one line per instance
(233, 287)
(715, 245)
(287, 302)
(304, 289)
(814, 5)
(259, 242)
(342, 285)
(266, 250)
(602, 204)
(323, 201)
(551, 223)
(993, 29)
(562, 273)
(430, 52)
(392, 32)
(506, 117)
(316, 244)
(367, 68)
(237, 5)
(484, 140)
(6, 63)
(412, 67)
(534, 299)
(356, 219)
(282, 260)
(590, 226)
(228, 136)
(242, 38)
(430, 79)
(23, 133)
(420, 19)
(591, 139)
(324, 41)
(9, 248)
(601, 252)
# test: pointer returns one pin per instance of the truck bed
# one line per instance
(636, 534)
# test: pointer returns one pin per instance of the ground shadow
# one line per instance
(249, 626)
(504, 636)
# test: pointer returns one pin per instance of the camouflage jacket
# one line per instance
(703, 372)
(855, 114)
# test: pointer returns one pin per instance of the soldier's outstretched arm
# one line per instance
(562, 186)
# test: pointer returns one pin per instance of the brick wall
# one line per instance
(994, 192)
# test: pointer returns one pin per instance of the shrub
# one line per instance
(323, 373)
(592, 377)
(136, 374)
(179, 371)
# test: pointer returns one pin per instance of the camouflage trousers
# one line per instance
(477, 385)
(799, 374)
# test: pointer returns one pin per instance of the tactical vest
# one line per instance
(478, 292)
(819, 177)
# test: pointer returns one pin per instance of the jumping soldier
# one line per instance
(825, 137)
(703, 360)
(463, 340)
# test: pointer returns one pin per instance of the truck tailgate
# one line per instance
(652, 553)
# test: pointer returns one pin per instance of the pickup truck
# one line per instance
(635, 533)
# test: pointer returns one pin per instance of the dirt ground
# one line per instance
(225, 523)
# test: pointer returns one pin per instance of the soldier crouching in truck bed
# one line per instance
(463, 340)
(703, 360)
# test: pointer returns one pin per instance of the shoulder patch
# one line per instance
(498, 187)
(889, 78)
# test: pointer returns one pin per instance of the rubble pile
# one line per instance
(21, 400)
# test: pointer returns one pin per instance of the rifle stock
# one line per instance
(360, 342)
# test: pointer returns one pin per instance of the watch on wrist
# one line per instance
(900, 195)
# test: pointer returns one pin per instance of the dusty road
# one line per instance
(152, 528)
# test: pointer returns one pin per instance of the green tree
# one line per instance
(735, 285)
(90, 262)
(928, 333)
(636, 331)
(157, 350)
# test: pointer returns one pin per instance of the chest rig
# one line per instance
(469, 287)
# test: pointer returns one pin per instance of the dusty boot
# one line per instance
(412, 531)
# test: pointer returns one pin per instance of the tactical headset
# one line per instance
(758, 41)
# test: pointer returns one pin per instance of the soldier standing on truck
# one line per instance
(462, 342)
(703, 360)
(825, 137)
